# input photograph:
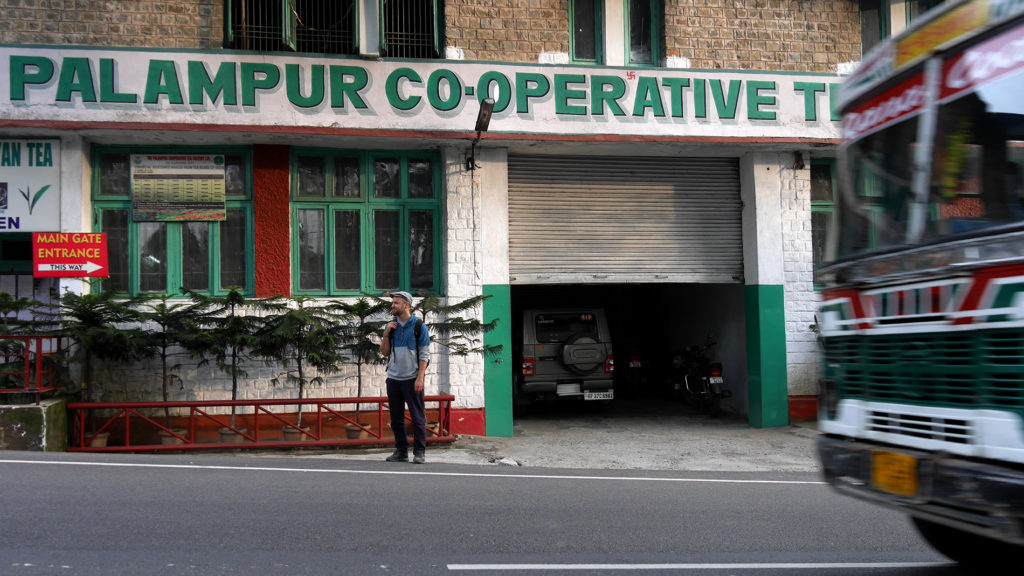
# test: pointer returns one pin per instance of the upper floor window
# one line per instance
(643, 28)
(915, 8)
(365, 222)
(586, 21)
(411, 28)
(874, 23)
(292, 25)
(148, 254)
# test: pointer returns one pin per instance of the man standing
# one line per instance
(406, 343)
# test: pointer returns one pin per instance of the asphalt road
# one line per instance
(80, 514)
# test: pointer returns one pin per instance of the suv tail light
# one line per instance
(527, 366)
(716, 369)
(609, 364)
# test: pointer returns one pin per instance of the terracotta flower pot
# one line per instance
(291, 434)
(167, 438)
(353, 432)
(229, 436)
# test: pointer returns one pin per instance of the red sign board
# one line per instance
(69, 254)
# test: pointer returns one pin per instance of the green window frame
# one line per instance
(365, 221)
(586, 31)
(916, 8)
(311, 26)
(163, 257)
(643, 32)
(823, 204)
(874, 23)
(411, 28)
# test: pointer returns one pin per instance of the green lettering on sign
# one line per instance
(293, 85)
(10, 154)
(648, 95)
(20, 74)
(162, 79)
(563, 94)
(675, 86)
(222, 85)
(75, 76)
(810, 91)
(483, 89)
(391, 88)
(725, 103)
(434, 90)
(258, 76)
(530, 85)
(755, 100)
(340, 89)
(599, 96)
(700, 106)
(108, 90)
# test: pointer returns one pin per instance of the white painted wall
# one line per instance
(776, 193)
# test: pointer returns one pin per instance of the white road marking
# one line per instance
(738, 566)
(410, 473)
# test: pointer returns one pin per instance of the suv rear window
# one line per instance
(557, 328)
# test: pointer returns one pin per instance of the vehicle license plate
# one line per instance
(635, 364)
(716, 380)
(605, 395)
(894, 473)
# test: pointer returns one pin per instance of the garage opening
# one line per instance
(649, 325)
(653, 242)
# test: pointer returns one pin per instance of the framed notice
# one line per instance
(178, 187)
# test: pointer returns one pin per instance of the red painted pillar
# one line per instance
(272, 216)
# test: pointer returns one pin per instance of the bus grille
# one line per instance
(952, 430)
(981, 369)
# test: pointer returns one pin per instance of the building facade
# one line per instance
(668, 160)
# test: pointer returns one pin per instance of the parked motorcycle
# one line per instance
(698, 379)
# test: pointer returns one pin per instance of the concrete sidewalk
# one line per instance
(652, 435)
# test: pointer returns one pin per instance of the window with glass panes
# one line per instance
(823, 186)
(586, 18)
(163, 257)
(365, 221)
(643, 28)
(874, 23)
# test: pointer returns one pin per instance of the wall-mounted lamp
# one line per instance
(483, 120)
(798, 161)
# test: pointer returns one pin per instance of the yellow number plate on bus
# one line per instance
(894, 473)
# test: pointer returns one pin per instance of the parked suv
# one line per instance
(566, 353)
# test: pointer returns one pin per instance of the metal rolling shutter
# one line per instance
(596, 219)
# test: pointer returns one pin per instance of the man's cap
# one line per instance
(403, 295)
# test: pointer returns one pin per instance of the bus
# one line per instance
(921, 318)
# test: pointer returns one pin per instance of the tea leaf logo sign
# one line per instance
(34, 197)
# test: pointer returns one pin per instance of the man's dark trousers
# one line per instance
(401, 393)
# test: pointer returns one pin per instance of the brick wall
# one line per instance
(197, 24)
(781, 35)
(507, 30)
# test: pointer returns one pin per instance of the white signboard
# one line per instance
(29, 185)
(348, 95)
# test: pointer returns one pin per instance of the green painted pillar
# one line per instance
(766, 356)
(498, 368)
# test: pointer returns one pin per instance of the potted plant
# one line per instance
(359, 348)
(99, 326)
(169, 328)
(303, 337)
(226, 335)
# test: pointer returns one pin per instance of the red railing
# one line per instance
(144, 426)
(29, 363)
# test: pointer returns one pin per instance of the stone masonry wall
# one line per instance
(778, 35)
(507, 30)
(175, 24)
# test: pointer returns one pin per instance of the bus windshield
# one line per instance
(975, 171)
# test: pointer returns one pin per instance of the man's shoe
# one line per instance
(419, 459)
(398, 456)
